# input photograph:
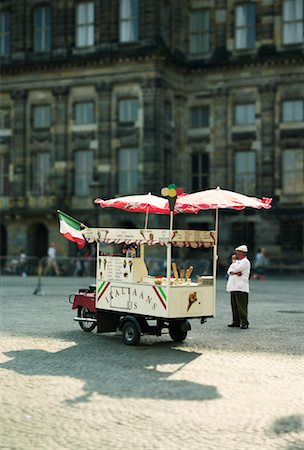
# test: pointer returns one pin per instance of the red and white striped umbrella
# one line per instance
(217, 199)
(146, 203)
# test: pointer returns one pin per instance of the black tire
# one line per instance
(176, 331)
(86, 326)
(130, 333)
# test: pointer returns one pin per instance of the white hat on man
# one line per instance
(242, 248)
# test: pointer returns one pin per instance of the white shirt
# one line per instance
(51, 253)
(236, 282)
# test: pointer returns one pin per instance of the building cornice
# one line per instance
(139, 55)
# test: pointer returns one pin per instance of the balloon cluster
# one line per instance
(171, 192)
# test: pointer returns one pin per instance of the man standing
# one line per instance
(238, 285)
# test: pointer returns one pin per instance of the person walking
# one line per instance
(51, 260)
(259, 265)
(238, 286)
(22, 263)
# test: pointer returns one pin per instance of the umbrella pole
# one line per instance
(169, 254)
(215, 255)
(146, 218)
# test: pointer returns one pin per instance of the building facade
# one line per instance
(105, 98)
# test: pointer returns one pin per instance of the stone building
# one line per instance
(116, 97)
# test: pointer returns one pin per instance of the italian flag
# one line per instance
(70, 228)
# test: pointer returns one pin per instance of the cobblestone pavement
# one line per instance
(226, 389)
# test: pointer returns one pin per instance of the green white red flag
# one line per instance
(70, 229)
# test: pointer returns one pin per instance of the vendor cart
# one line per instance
(128, 299)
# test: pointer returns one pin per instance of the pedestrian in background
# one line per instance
(238, 286)
(22, 263)
(51, 260)
(260, 264)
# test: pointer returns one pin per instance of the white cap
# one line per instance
(242, 248)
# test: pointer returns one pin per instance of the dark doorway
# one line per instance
(3, 246)
(3, 241)
(38, 240)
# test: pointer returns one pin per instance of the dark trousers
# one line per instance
(239, 306)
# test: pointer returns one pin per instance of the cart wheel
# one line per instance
(177, 331)
(86, 326)
(130, 333)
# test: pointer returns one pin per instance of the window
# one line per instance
(199, 117)
(42, 116)
(244, 114)
(128, 110)
(41, 174)
(293, 19)
(293, 111)
(5, 33)
(85, 24)
(84, 113)
(4, 175)
(83, 173)
(128, 17)
(199, 31)
(245, 26)
(293, 171)
(5, 119)
(245, 169)
(128, 176)
(42, 29)
(291, 235)
(200, 171)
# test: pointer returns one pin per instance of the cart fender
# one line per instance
(131, 319)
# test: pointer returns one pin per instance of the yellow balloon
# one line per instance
(164, 192)
(172, 192)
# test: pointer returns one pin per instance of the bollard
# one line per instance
(38, 290)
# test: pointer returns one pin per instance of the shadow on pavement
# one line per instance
(109, 368)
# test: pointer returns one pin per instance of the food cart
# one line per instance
(128, 299)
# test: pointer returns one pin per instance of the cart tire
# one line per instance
(85, 326)
(130, 333)
(177, 331)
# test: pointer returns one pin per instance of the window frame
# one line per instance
(5, 119)
(44, 30)
(295, 175)
(131, 185)
(202, 123)
(87, 26)
(83, 173)
(85, 113)
(4, 174)
(292, 103)
(294, 21)
(246, 110)
(130, 21)
(246, 27)
(131, 117)
(200, 35)
(41, 171)
(5, 33)
(244, 186)
(46, 125)
(203, 173)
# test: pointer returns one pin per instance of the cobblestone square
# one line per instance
(62, 388)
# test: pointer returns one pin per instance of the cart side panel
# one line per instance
(191, 301)
(133, 298)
